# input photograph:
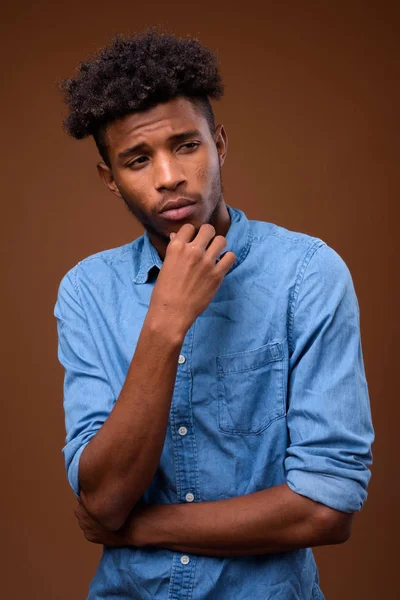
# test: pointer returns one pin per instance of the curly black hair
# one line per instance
(135, 74)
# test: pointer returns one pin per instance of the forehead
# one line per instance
(155, 124)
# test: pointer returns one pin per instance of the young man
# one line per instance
(217, 412)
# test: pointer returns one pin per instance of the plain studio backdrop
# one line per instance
(311, 109)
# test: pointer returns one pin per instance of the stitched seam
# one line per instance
(76, 287)
(223, 371)
(302, 238)
(299, 279)
(291, 240)
(262, 427)
(75, 284)
(109, 259)
(244, 252)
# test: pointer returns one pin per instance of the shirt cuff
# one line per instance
(73, 470)
(341, 494)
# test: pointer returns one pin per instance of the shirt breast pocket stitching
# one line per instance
(264, 387)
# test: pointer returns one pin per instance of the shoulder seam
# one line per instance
(297, 237)
(301, 237)
(75, 283)
(99, 255)
(296, 289)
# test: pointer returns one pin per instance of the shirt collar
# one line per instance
(238, 240)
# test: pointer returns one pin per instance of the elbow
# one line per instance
(111, 522)
(338, 536)
(333, 526)
(110, 517)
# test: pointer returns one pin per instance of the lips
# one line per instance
(174, 204)
(179, 214)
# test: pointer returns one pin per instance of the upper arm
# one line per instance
(88, 398)
(329, 417)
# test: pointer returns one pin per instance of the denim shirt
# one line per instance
(270, 389)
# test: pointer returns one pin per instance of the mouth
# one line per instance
(178, 203)
(181, 212)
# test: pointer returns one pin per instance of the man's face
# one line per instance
(164, 154)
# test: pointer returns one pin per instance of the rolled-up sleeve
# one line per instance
(329, 414)
(88, 398)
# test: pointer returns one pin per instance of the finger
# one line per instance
(216, 247)
(186, 232)
(204, 236)
(226, 262)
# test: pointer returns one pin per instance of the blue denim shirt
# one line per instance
(270, 388)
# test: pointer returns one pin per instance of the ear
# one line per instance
(221, 142)
(107, 177)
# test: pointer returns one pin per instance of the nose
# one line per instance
(168, 173)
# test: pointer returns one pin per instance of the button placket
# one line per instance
(185, 459)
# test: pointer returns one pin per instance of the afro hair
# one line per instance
(137, 73)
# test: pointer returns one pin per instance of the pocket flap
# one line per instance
(249, 359)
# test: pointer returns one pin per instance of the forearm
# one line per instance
(118, 464)
(272, 520)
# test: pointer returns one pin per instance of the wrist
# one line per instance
(169, 328)
(161, 521)
(151, 526)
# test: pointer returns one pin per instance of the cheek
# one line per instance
(202, 173)
(134, 186)
(205, 174)
(207, 167)
(136, 190)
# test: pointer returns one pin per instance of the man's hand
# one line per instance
(143, 527)
(190, 275)
(96, 533)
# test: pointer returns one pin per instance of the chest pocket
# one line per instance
(250, 389)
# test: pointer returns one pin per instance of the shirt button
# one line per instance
(181, 359)
(185, 559)
(189, 497)
(182, 430)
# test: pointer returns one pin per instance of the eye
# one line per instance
(137, 162)
(190, 145)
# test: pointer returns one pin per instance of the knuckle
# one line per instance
(215, 275)
(176, 242)
(195, 252)
(175, 247)
(209, 260)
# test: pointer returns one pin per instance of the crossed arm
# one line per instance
(272, 520)
(118, 463)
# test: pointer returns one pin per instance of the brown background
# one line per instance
(311, 110)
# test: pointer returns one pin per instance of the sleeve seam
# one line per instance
(75, 285)
(77, 291)
(296, 289)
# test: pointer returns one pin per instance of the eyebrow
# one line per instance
(177, 137)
